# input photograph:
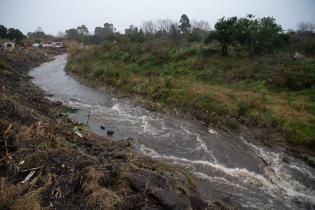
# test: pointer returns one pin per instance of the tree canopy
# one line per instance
(184, 24)
(257, 34)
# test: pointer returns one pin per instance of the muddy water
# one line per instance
(227, 167)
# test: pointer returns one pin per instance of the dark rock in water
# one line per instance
(110, 133)
(58, 103)
(102, 127)
(75, 110)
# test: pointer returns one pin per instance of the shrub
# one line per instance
(301, 132)
(98, 72)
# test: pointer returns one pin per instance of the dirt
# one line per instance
(45, 164)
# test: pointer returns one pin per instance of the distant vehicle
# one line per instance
(37, 45)
(57, 45)
(47, 45)
(8, 45)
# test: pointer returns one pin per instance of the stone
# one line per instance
(172, 199)
(142, 180)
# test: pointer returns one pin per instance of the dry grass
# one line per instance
(98, 197)
(72, 47)
(30, 201)
(9, 192)
(40, 129)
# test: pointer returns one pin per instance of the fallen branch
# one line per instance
(31, 169)
(8, 129)
(28, 177)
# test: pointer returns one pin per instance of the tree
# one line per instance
(174, 32)
(106, 32)
(201, 25)
(305, 27)
(247, 32)
(164, 26)
(73, 34)
(270, 34)
(184, 24)
(224, 33)
(258, 34)
(15, 34)
(39, 29)
(61, 34)
(134, 34)
(83, 30)
(37, 36)
(149, 28)
(3, 31)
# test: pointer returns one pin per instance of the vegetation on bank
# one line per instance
(258, 83)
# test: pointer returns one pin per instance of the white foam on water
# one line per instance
(203, 145)
(212, 131)
(78, 104)
(275, 184)
(278, 174)
(220, 180)
(154, 126)
(302, 170)
(124, 113)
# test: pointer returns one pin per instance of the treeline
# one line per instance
(38, 36)
(12, 33)
(257, 35)
(192, 31)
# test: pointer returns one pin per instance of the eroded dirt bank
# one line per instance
(46, 165)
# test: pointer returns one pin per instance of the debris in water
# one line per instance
(110, 133)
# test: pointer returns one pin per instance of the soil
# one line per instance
(46, 164)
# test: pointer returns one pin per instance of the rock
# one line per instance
(298, 56)
(199, 204)
(142, 180)
(172, 199)
(110, 133)
(102, 127)
(58, 103)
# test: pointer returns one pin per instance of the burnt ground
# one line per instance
(45, 164)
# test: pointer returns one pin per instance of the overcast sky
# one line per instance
(57, 15)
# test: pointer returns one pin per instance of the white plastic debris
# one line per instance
(28, 177)
(76, 130)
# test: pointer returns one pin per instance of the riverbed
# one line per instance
(228, 168)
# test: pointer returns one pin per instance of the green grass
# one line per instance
(270, 91)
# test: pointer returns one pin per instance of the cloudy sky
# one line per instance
(57, 15)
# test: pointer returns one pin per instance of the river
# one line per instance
(227, 167)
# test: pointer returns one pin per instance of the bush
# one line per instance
(98, 72)
(301, 132)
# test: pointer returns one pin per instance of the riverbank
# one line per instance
(194, 80)
(47, 164)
